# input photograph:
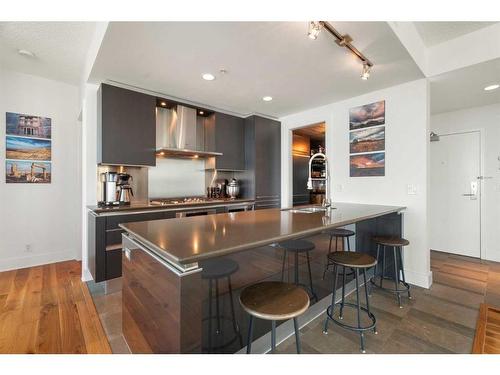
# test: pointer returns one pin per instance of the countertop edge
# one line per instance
(194, 259)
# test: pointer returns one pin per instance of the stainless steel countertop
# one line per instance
(189, 240)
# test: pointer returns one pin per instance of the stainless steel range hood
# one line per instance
(180, 133)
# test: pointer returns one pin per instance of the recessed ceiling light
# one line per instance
(267, 98)
(25, 52)
(208, 77)
(201, 113)
(163, 104)
(491, 87)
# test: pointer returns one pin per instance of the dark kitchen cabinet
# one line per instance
(226, 134)
(105, 239)
(300, 176)
(126, 127)
(262, 179)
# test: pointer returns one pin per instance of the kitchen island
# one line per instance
(168, 305)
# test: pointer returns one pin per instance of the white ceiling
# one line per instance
(60, 48)
(464, 88)
(262, 58)
(433, 33)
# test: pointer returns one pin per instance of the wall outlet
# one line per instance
(28, 248)
(411, 189)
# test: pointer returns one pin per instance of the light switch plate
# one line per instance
(411, 189)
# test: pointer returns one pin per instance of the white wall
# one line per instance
(45, 216)
(487, 120)
(407, 149)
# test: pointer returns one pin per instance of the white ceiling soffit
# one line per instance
(464, 88)
(261, 58)
(433, 33)
(59, 48)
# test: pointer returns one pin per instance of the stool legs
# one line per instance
(367, 301)
(273, 336)
(396, 276)
(383, 267)
(236, 328)
(403, 270)
(296, 268)
(297, 333)
(335, 275)
(250, 334)
(361, 334)
(210, 315)
(341, 315)
(310, 277)
(217, 309)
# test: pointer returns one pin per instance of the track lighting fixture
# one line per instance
(365, 74)
(314, 29)
(345, 41)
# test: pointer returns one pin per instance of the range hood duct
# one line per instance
(179, 133)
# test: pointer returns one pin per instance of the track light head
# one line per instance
(365, 74)
(314, 29)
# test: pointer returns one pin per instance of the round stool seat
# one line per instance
(391, 241)
(274, 300)
(352, 259)
(299, 246)
(339, 232)
(216, 269)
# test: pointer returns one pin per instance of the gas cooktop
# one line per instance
(190, 200)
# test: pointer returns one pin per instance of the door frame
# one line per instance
(287, 157)
(480, 181)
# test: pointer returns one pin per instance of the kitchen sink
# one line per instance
(308, 210)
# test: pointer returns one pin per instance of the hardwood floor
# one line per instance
(439, 320)
(47, 309)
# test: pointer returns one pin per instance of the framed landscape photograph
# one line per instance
(28, 148)
(27, 171)
(363, 165)
(367, 115)
(28, 126)
(367, 140)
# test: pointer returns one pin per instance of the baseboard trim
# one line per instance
(35, 260)
(419, 279)
(86, 275)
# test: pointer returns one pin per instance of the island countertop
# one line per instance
(192, 239)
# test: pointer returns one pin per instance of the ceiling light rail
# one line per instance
(345, 40)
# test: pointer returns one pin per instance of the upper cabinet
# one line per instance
(126, 127)
(226, 134)
(263, 161)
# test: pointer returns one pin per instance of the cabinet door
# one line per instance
(267, 158)
(126, 127)
(230, 140)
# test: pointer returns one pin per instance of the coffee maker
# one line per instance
(125, 192)
(109, 182)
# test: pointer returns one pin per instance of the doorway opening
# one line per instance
(307, 141)
(455, 193)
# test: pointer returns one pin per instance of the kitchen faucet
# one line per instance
(326, 200)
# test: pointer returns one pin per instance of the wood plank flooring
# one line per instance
(47, 309)
(487, 339)
(439, 320)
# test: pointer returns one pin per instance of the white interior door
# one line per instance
(455, 194)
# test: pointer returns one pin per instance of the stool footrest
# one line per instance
(405, 285)
(348, 326)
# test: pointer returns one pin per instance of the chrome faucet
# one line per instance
(326, 200)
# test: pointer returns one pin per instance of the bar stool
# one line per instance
(397, 244)
(297, 247)
(274, 301)
(337, 233)
(213, 271)
(358, 262)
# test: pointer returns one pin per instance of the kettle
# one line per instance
(233, 189)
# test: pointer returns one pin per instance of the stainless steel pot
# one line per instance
(233, 189)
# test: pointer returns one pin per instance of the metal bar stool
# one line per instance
(358, 262)
(400, 286)
(297, 247)
(274, 301)
(213, 271)
(337, 233)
